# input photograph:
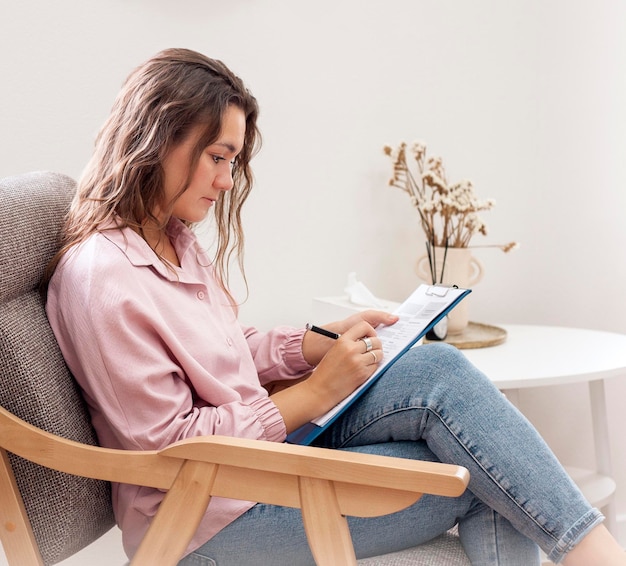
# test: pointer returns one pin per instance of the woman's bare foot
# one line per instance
(598, 548)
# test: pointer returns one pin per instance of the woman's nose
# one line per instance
(224, 180)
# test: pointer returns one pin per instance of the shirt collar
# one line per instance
(140, 254)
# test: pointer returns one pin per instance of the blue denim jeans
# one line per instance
(432, 404)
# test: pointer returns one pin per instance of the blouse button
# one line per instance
(200, 295)
(229, 341)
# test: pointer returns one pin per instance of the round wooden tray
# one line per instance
(476, 335)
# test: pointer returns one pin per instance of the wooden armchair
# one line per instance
(54, 479)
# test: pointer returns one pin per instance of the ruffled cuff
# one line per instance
(292, 352)
(271, 420)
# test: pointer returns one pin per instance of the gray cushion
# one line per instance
(67, 512)
(445, 550)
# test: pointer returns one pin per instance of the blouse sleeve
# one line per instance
(277, 354)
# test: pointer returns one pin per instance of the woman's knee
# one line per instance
(442, 366)
(439, 359)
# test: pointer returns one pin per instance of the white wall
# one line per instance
(523, 98)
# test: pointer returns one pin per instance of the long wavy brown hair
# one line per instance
(159, 103)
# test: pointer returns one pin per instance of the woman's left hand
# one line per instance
(315, 346)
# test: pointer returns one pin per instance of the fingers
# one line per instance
(373, 348)
(375, 356)
(363, 337)
(369, 345)
(375, 317)
(360, 330)
(364, 343)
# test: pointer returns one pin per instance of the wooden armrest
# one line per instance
(159, 468)
(124, 466)
(322, 463)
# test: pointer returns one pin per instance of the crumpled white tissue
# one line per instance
(359, 294)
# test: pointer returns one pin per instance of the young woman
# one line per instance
(149, 329)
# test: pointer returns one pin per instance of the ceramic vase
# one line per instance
(461, 269)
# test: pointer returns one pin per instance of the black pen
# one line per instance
(322, 331)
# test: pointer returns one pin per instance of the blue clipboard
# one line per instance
(308, 432)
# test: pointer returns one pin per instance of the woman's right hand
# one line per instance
(345, 367)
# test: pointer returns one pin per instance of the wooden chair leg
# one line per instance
(326, 528)
(16, 533)
(179, 513)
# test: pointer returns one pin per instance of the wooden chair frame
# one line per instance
(325, 484)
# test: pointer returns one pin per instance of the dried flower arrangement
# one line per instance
(448, 212)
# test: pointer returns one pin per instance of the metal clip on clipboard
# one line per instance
(439, 290)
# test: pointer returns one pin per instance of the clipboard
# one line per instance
(424, 308)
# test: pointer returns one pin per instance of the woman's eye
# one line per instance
(218, 158)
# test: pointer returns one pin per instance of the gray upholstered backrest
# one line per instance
(67, 512)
